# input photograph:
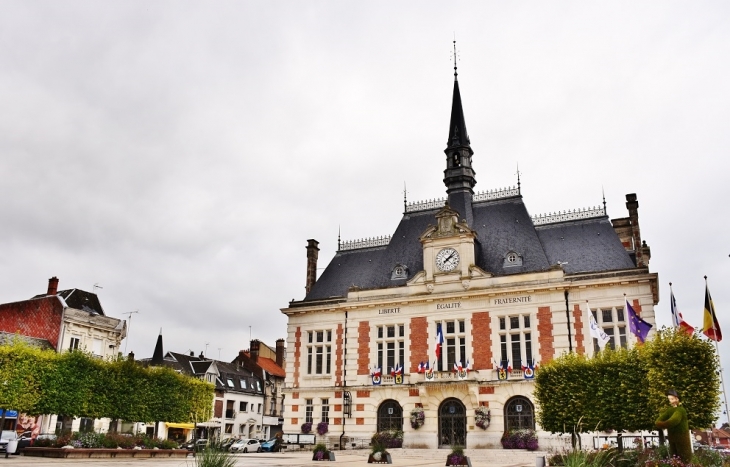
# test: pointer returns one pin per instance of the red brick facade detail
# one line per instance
(363, 348)
(295, 408)
(338, 394)
(360, 407)
(481, 338)
(363, 393)
(338, 407)
(418, 342)
(337, 421)
(359, 421)
(484, 403)
(486, 389)
(297, 355)
(580, 345)
(338, 356)
(545, 334)
(294, 421)
(295, 395)
(414, 392)
(40, 318)
(637, 308)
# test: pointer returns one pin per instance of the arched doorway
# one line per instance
(519, 413)
(390, 416)
(452, 423)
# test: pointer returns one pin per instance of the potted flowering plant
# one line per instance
(457, 457)
(322, 428)
(320, 453)
(520, 439)
(306, 427)
(380, 443)
(483, 417)
(418, 417)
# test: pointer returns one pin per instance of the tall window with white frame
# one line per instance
(613, 323)
(319, 352)
(308, 411)
(454, 346)
(391, 346)
(515, 340)
(326, 410)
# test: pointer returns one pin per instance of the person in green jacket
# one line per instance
(674, 420)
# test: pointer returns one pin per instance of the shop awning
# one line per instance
(187, 426)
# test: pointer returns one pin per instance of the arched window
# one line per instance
(519, 413)
(390, 416)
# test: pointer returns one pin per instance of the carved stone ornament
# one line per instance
(465, 284)
(447, 225)
(429, 287)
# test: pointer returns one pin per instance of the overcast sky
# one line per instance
(179, 154)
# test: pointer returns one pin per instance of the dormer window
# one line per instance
(400, 271)
(512, 259)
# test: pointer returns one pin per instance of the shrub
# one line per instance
(214, 458)
(456, 457)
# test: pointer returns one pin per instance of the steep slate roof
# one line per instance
(82, 300)
(502, 226)
(195, 366)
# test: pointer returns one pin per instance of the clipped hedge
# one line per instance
(78, 384)
(624, 389)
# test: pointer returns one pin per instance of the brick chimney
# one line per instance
(254, 351)
(280, 350)
(633, 206)
(52, 286)
(312, 255)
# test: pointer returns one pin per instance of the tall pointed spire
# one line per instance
(157, 356)
(459, 175)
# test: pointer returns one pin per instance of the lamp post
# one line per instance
(567, 315)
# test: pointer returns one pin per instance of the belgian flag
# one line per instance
(711, 328)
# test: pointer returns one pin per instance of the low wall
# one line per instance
(82, 453)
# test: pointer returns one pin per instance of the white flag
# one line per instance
(597, 332)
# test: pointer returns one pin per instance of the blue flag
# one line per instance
(638, 326)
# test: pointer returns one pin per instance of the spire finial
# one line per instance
(519, 191)
(339, 231)
(405, 198)
(603, 193)
(455, 57)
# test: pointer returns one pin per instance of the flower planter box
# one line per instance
(385, 459)
(328, 456)
(466, 461)
(84, 453)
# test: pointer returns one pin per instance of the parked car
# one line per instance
(246, 445)
(270, 446)
(5, 437)
(226, 443)
(195, 445)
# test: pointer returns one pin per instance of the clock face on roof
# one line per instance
(447, 259)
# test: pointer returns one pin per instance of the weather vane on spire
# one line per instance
(455, 54)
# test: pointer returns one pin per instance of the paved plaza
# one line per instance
(422, 458)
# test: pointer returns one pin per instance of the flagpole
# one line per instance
(717, 349)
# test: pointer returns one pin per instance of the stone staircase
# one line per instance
(478, 457)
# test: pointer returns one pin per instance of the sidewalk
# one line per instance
(410, 457)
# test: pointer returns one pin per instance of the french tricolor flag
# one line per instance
(439, 341)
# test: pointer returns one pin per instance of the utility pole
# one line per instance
(129, 328)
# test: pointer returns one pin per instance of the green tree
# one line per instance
(688, 364)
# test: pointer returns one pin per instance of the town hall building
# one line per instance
(438, 330)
